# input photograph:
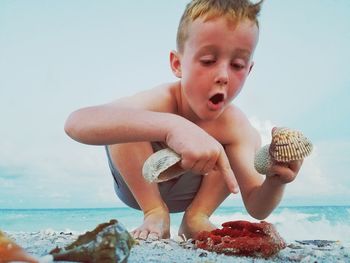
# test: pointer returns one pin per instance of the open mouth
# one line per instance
(217, 98)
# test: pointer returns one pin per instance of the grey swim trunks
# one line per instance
(177, 193)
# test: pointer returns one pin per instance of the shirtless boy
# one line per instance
(195, 117)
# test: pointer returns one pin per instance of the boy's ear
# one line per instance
(175, 63)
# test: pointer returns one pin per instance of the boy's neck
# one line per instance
(183, 108)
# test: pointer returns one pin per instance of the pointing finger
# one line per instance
(224, 167)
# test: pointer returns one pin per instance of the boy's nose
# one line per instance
(222, 76)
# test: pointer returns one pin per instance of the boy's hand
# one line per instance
(224, 168)
(285, 172)
(200, 152)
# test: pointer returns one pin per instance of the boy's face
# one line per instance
(215, 63)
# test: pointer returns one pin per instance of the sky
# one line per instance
(58, 56)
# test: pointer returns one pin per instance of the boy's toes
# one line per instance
(153, 236)
(143, 234)
(135, 234)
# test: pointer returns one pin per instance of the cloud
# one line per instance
(264, 128)
(59, 173)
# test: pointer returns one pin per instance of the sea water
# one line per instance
(293, 223)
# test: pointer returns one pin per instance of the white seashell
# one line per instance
(286, 145)
(162, 166)
(262, 159)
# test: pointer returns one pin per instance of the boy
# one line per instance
(194, 116)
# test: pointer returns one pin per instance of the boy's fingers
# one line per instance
(295, 165)
(224, 167)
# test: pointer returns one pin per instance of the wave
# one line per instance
(294, 223)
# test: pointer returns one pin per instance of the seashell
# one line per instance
(108, 242)
(162, 166)
(262, 159)
(286, 145)
(11, 252)
(289, 145)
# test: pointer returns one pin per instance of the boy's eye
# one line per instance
(238, 65)
(207, 62)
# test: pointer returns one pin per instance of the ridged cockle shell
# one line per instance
(289, 145)
(286, 145)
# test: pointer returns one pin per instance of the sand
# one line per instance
(169, 250)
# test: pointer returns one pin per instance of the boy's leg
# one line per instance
(129, 158)
(212, 193)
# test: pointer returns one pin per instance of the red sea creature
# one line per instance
(242, 238)
(11, 252)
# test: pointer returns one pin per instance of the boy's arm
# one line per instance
(260, 195)
(141, 117)
(110, 124)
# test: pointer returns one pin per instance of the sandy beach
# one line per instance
(170, 250)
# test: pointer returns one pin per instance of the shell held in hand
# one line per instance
(162, 166)
(287, 145)
(262, 160)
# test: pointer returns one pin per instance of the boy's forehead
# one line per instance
(205, 31)
(222, 22)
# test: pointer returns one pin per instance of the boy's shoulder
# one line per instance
(161, 98)
(236, 126)
(233, 116)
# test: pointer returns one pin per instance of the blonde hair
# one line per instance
(235, 10)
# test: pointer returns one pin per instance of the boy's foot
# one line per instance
(192, 225)
(156, 225)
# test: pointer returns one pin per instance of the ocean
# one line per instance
(293, 223)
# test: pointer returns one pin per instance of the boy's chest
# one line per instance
(222, 133)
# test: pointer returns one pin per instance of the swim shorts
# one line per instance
(177, 193)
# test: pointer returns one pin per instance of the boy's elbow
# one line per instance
(71, 126)
(259, 215)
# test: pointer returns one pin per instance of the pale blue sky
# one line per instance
(57, 56)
